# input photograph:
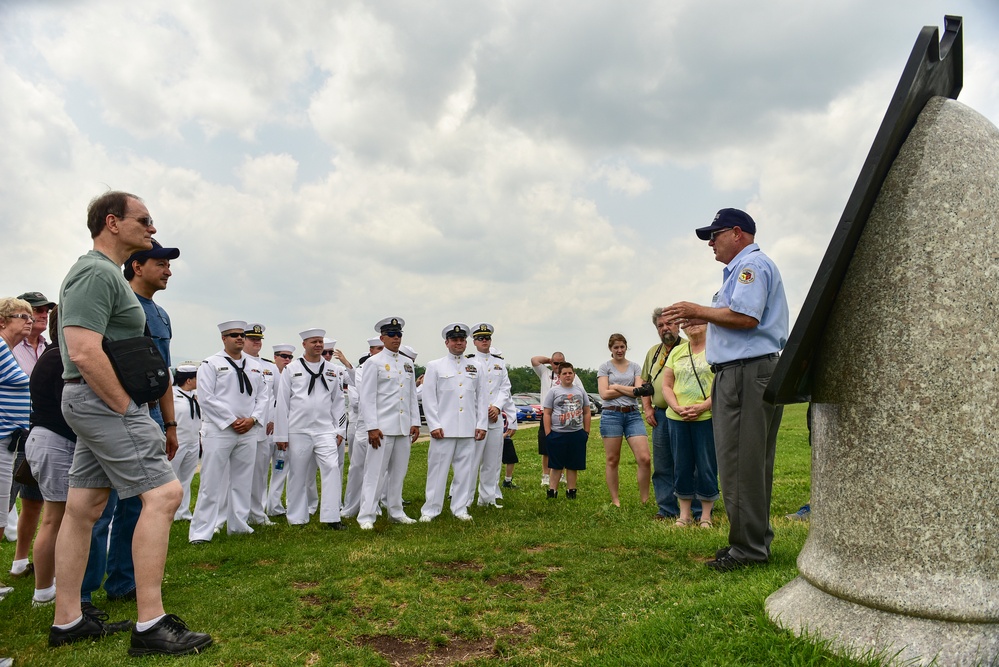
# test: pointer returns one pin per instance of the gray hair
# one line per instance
(656, 314)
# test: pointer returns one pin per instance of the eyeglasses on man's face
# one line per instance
(715, 234)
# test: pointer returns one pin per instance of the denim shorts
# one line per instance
(617, 424)
(125, 452)
(50, 456)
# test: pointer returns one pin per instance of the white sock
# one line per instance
(508, 479)
(44, 594)
(145, 625)
(19, 566)
(67, 626)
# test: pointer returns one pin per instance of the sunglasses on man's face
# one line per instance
(327, 353)
(392, 334)
(285, 356)
(236, 334)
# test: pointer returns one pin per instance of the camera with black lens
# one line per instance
(645, 390)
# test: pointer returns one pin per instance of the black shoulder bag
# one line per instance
(139, 366)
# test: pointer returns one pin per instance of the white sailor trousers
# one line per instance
(355, 475)
(305, 451)
(225, 453)
(459, 453)
(391, 458)
(185, 464)
(491, 455)
(258, 490)
(276, 486)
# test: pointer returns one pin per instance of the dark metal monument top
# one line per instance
(935, 68)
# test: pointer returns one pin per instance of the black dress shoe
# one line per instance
(90, 627)
(170, 636)
(728, 562)
(101, 615)
(336, 525)
(721, 553)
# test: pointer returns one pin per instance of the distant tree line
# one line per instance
(524, 379)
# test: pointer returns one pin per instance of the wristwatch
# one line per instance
(169, 424)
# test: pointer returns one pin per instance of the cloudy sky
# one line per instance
(539, 165)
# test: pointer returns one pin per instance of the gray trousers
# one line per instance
(745, 429)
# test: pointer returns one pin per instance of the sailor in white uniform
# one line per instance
(233, 403)
(187, 412)
(262, 458)
(359, 442)
(496, 384)
(391, 416)
(283, 354)
(310, 406)
(453, 403)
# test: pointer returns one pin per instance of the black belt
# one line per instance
(618, 408)
(75, 381)
(742, 362)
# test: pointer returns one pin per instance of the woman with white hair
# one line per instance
(15, 396)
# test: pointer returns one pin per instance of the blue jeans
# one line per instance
(115, 557)
(662, 469)
(694, 460)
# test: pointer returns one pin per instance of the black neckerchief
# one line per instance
(244, 380)
(193, 401)
(315, 376)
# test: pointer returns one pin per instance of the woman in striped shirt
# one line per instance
(15, 397)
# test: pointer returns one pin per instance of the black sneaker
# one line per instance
(336, 525)
(728, 562)
(509, 484)
(571, 494)
(90, 627)
(721, 553)
(170, 636)
(553, 493)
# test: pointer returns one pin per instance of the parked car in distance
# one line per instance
(526, 410)
(533, 397)
(596, 403)
(536, 412)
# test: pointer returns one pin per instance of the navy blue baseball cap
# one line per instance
(156, 252)
(727, 218)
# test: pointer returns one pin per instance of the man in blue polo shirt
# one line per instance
(147, 272)
(747, 328)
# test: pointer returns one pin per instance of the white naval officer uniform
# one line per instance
(453, 401)
(497, 387)
(226, 451)
(187, 412)
(387, 400)
(310, 407)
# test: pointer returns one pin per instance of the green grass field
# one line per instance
(538, 582)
